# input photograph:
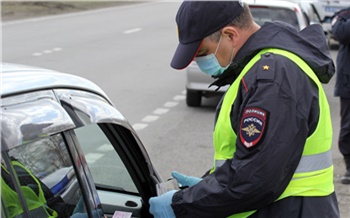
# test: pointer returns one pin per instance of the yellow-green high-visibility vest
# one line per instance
(36, 203)
(314, 174)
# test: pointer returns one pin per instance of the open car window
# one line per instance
(106, 166)
(110, 168)
(117, 161)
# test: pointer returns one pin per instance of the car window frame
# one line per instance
(131, 149)
(83, 174)
(47, 97)
(144, 177)
(121, 135)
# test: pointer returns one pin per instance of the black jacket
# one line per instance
(341, 31)
(257, 176)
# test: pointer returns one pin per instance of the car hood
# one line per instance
(309, 44)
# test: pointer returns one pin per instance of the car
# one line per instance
(321, 12)
(326, 10)
(289, 12)
(61, 134)
(197, 82)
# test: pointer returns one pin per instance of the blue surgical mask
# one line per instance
(210, 65)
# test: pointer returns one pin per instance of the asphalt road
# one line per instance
(126, 50)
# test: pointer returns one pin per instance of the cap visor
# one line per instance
(184, 54)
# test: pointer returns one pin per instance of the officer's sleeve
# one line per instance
(341, 26)
(274, 116)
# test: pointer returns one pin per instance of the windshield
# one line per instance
(267, 14)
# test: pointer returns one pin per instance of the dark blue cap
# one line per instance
(197, 20)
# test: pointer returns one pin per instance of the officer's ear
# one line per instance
(232, 34)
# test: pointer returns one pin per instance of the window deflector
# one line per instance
(86, 109)
(30, 118)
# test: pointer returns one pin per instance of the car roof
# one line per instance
(273, 3)
(18, 78)
(34, 96)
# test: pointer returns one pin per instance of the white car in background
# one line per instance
(321, 11)
(197, 82)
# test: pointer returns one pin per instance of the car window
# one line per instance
(106, 166)
(47, 178)
(267, 14)
(116, 160)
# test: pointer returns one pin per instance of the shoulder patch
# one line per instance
(266, 70)
(252, 126)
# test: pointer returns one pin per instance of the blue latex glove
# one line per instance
(160, 206)
(184, 180)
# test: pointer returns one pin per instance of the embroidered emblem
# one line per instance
(266, 67)
(251, 130)
(252, 126)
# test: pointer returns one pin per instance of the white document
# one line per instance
(167, 186)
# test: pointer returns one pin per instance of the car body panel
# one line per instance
(27, 78)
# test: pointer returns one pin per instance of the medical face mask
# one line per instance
(210, 65)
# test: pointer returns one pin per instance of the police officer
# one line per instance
(273, 132)
(35, 198)
(341, 31)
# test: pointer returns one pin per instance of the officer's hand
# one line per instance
(184, 180)
(160, 206)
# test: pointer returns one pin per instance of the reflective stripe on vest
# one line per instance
(36, 203)
(307, 163)
(314, 174)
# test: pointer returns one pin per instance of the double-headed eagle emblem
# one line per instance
(251, 130)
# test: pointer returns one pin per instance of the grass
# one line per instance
(15, 10)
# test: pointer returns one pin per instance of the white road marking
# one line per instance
(105, 147)
(161, 111)
(132, 30)
(37, 54)
(171, 104)
(150, 118)
(179, 97)
(48, 51)
(139, 126)
(93, 157)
